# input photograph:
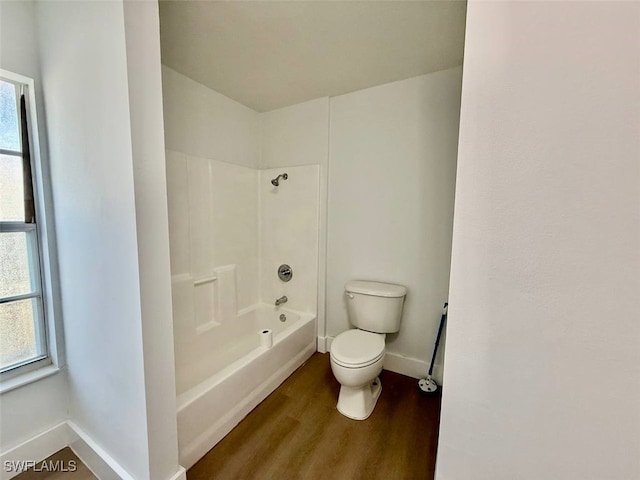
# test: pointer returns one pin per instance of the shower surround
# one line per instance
(230, 229)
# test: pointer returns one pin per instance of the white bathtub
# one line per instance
(210, 409)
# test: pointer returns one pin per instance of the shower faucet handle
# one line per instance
(285, 272)
(281, 300)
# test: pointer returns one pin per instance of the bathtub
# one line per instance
(211, 408)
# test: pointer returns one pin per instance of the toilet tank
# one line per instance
(374, 306)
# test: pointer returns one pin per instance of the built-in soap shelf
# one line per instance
(215, 298)
(203, 280)
(212, 296)
(187, 278)
(205, 300)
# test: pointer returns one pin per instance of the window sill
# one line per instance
(26, 378)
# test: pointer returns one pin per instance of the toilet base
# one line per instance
(358, 403)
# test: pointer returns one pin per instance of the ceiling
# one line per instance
(270, 54)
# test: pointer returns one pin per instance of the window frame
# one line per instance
(52, 356)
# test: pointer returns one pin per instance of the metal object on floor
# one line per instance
(428, 385)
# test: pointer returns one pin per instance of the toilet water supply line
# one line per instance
(429, 385)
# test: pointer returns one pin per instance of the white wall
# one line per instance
(543, 360)
(289, 235)
(99, 136)
(391, 186)
(290, 137)
(86, 96)
(213, 151)
(31, 409)
(204, 123)
(142, 33)
(223, 212)
(42, 404)
(19, 49)
(214, 199)
(389, 147)
(295, 135)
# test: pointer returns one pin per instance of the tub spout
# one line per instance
(281, 300)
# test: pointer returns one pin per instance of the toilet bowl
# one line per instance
(357, 355)
(356, 361)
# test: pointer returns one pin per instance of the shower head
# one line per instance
(276, 181)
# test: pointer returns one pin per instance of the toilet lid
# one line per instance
(357, 347)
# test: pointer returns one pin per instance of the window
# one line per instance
(23, 332)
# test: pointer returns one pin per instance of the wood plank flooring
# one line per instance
(297, 433)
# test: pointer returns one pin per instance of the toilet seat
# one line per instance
(360, 365)
(357, 348)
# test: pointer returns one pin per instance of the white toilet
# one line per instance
(375, 309)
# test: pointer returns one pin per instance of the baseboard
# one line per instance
(68, 434)
(181, 474)
(395, 362)
(411, 367)
(101, 464)
(323, 344)
(36, 449)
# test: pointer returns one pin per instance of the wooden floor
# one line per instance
(64, 459)
(297, 433)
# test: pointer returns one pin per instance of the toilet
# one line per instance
(375, 309)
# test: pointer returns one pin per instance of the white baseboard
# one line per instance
(324, 344)
(36, 449)
(181, 474)
(68, 434)
(103, 465)
(411, 367)
(395, 362)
